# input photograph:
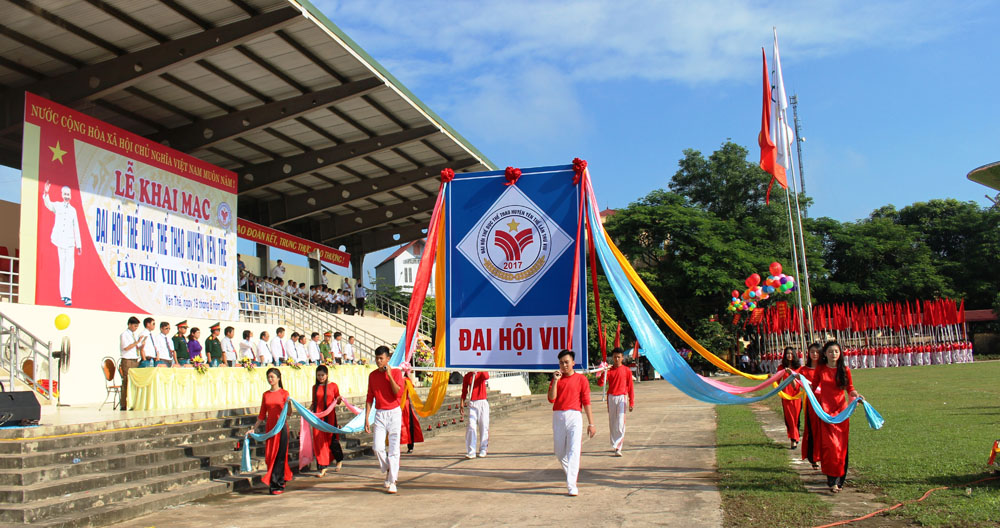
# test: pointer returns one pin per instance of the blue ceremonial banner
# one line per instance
(510, 269)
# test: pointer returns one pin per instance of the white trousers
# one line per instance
(479, 422)
(66, 262)
(567, 435)
(387, 424)
(617, 406)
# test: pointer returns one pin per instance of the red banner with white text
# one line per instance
(281, 240)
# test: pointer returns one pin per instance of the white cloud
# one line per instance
(535, 106)
(500, 65)
(689, 42)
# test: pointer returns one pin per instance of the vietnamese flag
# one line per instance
(768, 150)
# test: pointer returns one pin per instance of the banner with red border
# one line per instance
(117, 222)
(281, 240)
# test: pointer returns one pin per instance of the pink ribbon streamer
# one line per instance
(735, 389)
(305, 433)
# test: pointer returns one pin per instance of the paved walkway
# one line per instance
(666, 478)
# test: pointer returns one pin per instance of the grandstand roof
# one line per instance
(328, 145)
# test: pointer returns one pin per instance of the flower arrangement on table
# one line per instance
(423, 357)
(289, 362)
(199, 364)
(247, 363)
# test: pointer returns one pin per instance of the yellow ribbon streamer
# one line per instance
(798, 396)
(647, 295)
(439, 383)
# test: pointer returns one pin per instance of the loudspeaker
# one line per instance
(19, 408)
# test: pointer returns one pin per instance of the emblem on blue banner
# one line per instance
(514, 244)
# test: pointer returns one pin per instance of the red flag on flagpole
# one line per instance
(618, 335)
(768, 150)
(635, 351)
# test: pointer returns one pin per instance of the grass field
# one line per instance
(940, 424)
(757, 486)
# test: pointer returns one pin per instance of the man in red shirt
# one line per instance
(619, 387)
(474, 386)
(568, 392)
(384, 388)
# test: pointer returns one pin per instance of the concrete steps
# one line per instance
(128, 472)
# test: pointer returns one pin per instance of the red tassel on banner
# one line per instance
(574, 284)
(579, 166)
(635, 350)
(512, 175)
(597, 296)
(423, 278)
(618, 335)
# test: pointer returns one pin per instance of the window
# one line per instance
(407, 275)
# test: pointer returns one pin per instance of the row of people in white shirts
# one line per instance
(303, 350)
(278, 272)
(895, 356)
(324, 293)
(331, 296)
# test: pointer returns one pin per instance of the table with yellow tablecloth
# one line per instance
(160, 388)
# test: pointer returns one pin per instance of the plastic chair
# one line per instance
(109, 367)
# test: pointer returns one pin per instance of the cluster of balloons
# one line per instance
(757, 293)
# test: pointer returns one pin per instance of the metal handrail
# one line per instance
(14, 339)
(282, 308)
(397, 311)
(9, 276)
(364, 339)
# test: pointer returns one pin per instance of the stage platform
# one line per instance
(77, 419)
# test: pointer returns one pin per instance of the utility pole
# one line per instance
(798, 140)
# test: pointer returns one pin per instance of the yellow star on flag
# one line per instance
(57, 152)
(513, 225)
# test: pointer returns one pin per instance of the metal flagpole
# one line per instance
(791, 227)
(782, 131)
(802, 243)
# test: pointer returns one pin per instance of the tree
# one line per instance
(693, 244)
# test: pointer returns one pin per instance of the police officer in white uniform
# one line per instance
(65, 237)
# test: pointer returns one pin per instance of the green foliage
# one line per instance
(538, 382)
(699, 239)
(925, 250)
(757, 486)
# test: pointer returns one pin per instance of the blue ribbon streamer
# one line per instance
(356, 425)
(660, 353)
(665, 359)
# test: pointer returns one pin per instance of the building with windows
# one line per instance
(400, 268)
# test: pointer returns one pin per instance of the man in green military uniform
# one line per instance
(181, 343)
(213, 347)
(324, 348)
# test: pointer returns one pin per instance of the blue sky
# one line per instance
(898, 100)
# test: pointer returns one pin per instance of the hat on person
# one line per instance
(182, 324)
(214, 327)
(327, 334)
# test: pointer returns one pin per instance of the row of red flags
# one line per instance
(896, 316)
